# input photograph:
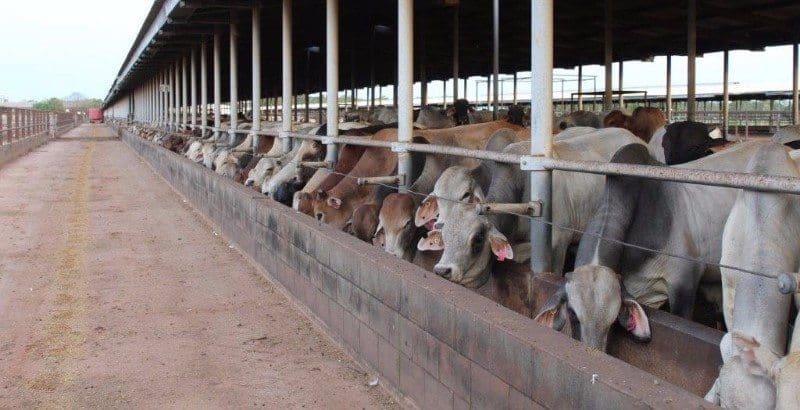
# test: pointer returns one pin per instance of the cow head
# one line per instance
(331, 209)
(396, 228)
(456, 183)
(303, 203)
(469, 246)
(593, 298)
(290, 174)
(262, 170)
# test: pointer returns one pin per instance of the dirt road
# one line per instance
(114, 292)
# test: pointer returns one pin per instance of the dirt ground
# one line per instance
(115, 293)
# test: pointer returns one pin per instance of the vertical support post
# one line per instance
(542, 127)
(691, 46)
(332, 75)
(580, 87)
(515, 88)
(256, 75)
(609, 54)
(203, 89)
(234, 77)
(496, 57)
(217, 83)
(193, 67)
(456, 50)
(795, 81)
(725, 93)
(621, 86)
(405, 84)
(159, 100)
(173, 79)
(178, 94)
(288, 85)
(185, 91)
(668, 103)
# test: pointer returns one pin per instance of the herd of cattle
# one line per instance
(435, 223)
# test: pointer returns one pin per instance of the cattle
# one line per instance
(761, 234)
(229, 163)
(516, 115)
(292, 177)
(472, 241)
(397, 230)
(681, 142)
(195, 151)
(433, 117)
(337, 205)
(578, 119)
(349, 155)
(263, 170)
(460, 112)
(383, 115)
(669, 217)
(789, 136)
(481, 116)
(242, 173)
(643, 122)
(302, 199)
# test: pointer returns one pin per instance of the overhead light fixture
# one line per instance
(383, 29)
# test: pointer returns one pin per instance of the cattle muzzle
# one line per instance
(443, 271)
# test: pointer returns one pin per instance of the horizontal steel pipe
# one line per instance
(386, 180)
(738, 180)
(532, 208)
(314, 164)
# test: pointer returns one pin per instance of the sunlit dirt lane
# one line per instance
(113, 291)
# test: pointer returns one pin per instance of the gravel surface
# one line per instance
(114, 292)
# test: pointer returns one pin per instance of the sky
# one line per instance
(53, 48)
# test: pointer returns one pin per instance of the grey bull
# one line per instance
(762, 234)
(470, 241)
(611, 280)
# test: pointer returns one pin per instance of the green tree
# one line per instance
(89, 103)
(52, 104)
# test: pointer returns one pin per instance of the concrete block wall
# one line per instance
(436, 343)
(18, 148)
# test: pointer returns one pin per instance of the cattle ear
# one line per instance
(633, 319)
(500, 246)
(427, 211)
(553, 313)
(334, 202)
(477, 196)
(757, 359)
(379, 238)
(431, 242)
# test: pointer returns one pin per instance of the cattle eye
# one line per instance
(466, 195)
(477, 243)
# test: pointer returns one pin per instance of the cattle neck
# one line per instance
(482, 284)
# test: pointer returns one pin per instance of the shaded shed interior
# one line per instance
(368, 42)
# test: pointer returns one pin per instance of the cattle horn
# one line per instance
(788, 283)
